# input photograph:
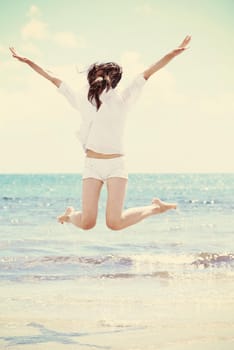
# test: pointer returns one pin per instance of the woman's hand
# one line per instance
(36, 68)
(20, 58)
(182, 47)
(167, 58)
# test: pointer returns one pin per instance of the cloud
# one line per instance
(35, 29)
(130, 58)
(33, 11)
(68, 39)
(144, 9)
(31, 111)
(176, 127)
(217, 106)
(167, 118)
(132, 63)
(3, 49)
(30, 48)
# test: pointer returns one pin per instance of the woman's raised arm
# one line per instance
(167, 58)
(36, 68)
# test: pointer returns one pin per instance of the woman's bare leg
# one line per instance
(85, 219)
(118, 219)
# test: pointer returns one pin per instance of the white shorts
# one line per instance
(103, 169)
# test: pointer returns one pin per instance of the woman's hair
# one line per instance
(102, 77)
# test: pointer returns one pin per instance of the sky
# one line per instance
(184, 119)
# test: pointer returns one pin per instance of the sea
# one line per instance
(164, 283)
(197, 237)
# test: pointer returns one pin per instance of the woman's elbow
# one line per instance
(146, 75)
(56, 82)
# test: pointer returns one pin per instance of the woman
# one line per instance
(103, 113)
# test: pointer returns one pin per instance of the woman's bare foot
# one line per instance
(161, 207)
(66, 216)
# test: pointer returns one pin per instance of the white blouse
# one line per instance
(102, 131)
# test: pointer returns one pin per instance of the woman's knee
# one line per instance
(88, 224)
(114, 224)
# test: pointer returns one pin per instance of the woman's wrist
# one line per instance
(171, 54)
(28, 61)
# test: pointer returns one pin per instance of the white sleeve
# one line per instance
(70, 95)
(132, 92)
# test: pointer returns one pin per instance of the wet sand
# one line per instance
(136, 314)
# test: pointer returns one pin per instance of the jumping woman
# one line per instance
(103, 111)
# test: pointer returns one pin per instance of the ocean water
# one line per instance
(195, 241)
(166, 283)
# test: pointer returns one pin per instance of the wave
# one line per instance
(203, 258)
(156, 274)
(67, 277)
(5, 198)
(162, 266)
(213, 259)
(47, 261)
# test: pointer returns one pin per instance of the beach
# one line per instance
(166, 283)
(139, 314)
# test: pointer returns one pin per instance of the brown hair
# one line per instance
(102, 77)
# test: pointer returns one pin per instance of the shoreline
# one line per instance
(163, 314)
